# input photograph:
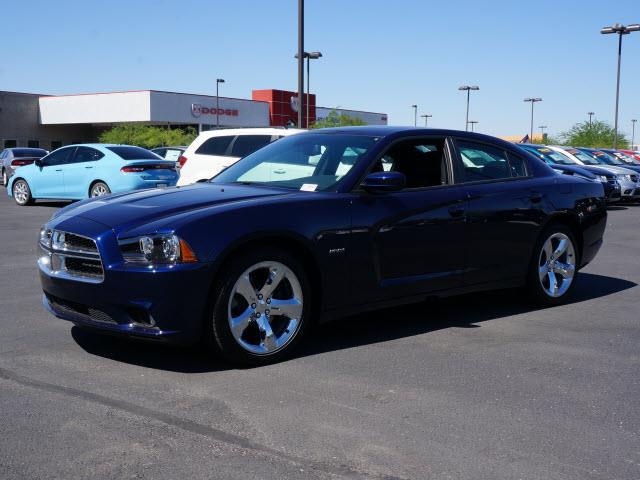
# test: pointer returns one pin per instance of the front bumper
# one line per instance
(166, 303)
(612, 192)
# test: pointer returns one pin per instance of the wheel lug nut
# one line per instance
(266, 312)
(253, 305)
(268, 300)
(258, 314)
(260, 297)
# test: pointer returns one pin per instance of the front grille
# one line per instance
(71, 256)
(74, 309)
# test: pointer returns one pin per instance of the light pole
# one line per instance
(532, 100)
(542, 127)
(468, 89)
(300, 60)
(472, 123)
(633, 132)
(415, 115)
(218, 82)
(591, 114)
(620, 30)
(426, 118)
(309, 56)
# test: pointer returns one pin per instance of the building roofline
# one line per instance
(351, 110)
(149, 91)
(23, 93)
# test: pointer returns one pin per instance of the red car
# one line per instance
(632, 153)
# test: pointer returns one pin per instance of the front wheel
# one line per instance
(553, 269)
(99, 189)
(261, 308)
(5, 178)
(22, 193)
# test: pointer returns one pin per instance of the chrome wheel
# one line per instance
(99, 189)
(265, 308)
(557, 265)
(21, 192)
(5, 179)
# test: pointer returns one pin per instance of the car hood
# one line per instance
(123, 211)
(615, 169)
(595, 170)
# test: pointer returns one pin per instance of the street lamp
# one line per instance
(591, 114)
(472, 123)
(415, 115)
(468, 89)
(300, 59)
(542, 127)
(633, 132)
(620, 30)
(532, 100)
(426, 118)
(309, 56)
(218, 82)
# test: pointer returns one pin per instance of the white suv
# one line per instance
(215, 150)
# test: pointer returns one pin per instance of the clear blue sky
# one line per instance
(378, 55)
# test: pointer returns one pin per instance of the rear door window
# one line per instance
(246, 144)
(128, 152)
(215, 146)
(481, 162)
(87, 154)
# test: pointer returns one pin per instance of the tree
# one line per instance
(147, 136)
(596, 134)
(334, 119)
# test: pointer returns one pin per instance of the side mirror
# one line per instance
(38, 162)
(384, 182)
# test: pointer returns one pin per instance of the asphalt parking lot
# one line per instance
(474, 387)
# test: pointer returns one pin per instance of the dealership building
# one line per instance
(46, 121)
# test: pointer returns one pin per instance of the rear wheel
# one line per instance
(261, 308)
(553, 269)
(22, 193)
(99, 189)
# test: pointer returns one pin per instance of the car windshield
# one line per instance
(607, 159)
(586, 157)
(551, 156)
(28, 152)
(311, 162)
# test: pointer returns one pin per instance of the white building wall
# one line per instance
(96, 108)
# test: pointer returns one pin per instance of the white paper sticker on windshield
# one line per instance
(308, 187)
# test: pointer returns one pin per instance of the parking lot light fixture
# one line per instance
(426, 118)
(620, 30)
(591, 114)
(532, 100)
(472, 123)
(415, 115)
(542, 127)
(633, 132)
(309, 56)
(218, 82)
(468, 89)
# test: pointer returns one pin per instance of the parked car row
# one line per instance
(618, 171)
(75, 172)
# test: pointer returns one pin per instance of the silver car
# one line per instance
(628, 179)
(13, 158)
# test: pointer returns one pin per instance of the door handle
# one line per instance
(88, 167)
(456, 211)
(280, 170)
(58, 169)
(535, 197)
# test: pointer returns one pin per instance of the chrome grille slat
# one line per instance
(71, 256)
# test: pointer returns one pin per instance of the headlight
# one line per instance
(45, 237)
(603, 179)
(157, 249)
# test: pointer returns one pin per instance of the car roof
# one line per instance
(249, 131)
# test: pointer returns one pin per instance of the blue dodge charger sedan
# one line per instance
(316, 226)
(90, 170)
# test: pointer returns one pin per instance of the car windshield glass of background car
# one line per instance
(313, 161)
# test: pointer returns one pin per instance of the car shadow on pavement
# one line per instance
(466, 311)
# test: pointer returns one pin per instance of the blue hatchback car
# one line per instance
(90, 170)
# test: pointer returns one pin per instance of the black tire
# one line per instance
(99, 189)
(22, 200)
(217, 332)
(537, 288)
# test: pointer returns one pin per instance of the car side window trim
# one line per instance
(447, 152)
(459, 171)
